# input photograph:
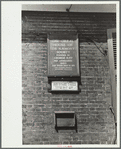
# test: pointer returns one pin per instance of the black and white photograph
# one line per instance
(69, 64)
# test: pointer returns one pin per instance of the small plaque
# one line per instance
(64, 86)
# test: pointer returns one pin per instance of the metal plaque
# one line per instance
(64, 86)
(63, 55)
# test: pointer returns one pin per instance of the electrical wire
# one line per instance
(68, 9)
(112, 111)
(104, 53)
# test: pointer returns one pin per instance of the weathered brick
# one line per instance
(95, 124)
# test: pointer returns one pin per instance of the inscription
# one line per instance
(64, 85)
(63, 58)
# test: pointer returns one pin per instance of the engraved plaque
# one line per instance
(64, 85)
(63, 55)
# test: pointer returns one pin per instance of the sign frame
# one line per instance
(64, 36)
(65, 116)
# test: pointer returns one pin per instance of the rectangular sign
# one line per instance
(63, 55)
(64, 85)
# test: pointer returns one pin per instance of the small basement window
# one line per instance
(65, 120)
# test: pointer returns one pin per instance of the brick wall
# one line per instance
(95, 122)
